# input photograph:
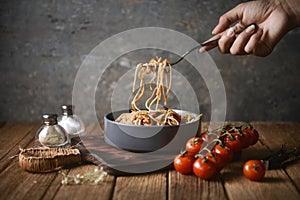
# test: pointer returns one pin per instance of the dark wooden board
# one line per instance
(95, 150)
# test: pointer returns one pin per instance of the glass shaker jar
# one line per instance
(50, 134)
(70, 122)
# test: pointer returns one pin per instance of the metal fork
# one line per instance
(207, 43)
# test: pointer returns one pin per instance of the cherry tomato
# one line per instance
(253, 135)
(254, 170)
(216, 160)
(247, 138)
(244, 139)
(144, 119)
(234, 142)
(193, 145)
(223, 152)
(209, 136)
(183, 163)
(203, 168)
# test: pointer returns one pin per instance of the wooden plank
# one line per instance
(91, 127)
(55, 187)
(191, 187)
(18, 184)
(89, 191)
(94, 144)
(275, 185)
(12, 151)
(13, 133)
(288, 133)
(27, 185)
(276, 133)
(151, 186)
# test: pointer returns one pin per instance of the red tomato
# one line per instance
(223, 152)
(216, 160)
(183, 163)
(234, 142)
(254, 170)
(247, 138)
(193, 145)
(208, 136)
(204, 168)
(253, 135)
(144, 119)
(244, 139)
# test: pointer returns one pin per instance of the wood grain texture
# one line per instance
(282, 183)
(185, 187)
(275, 181)
(273, 184)
(27, 132)
(120, 162)
(288, 133)
(15, 182)
(12, 134)
(117, 161)
(146, 187)
(55, 188)
(89, 191)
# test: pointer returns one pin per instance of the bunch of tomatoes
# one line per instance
(207, 154)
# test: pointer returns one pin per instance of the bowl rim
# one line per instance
(150, 126)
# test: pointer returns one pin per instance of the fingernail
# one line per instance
(201, 50)
(230, 32)
(250, 29)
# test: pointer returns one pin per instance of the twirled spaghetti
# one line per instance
(160, 85)
(161, 72)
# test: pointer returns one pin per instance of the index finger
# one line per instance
(210, 43)
(229, 18)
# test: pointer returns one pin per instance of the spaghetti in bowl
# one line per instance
(152, 128)
(146, 138)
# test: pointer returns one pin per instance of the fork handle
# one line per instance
(207, 43)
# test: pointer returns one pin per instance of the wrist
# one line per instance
(292, 10)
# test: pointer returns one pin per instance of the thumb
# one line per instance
(229, 18)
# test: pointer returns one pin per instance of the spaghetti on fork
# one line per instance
(160, 85)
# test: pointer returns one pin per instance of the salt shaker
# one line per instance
(50, 134)
(71, 122)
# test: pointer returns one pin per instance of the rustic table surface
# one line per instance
(282, 183)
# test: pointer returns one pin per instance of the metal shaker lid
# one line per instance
(49, 119)
(67, 109)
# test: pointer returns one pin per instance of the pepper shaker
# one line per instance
(50, 134)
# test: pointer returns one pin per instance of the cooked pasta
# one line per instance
(161, 72)
(160, 85)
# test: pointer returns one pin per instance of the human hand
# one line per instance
(273, 19)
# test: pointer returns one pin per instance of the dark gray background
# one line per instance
(43, 43)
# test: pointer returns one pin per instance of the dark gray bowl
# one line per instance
(146, 138)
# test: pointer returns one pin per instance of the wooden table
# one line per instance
(230, 184)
